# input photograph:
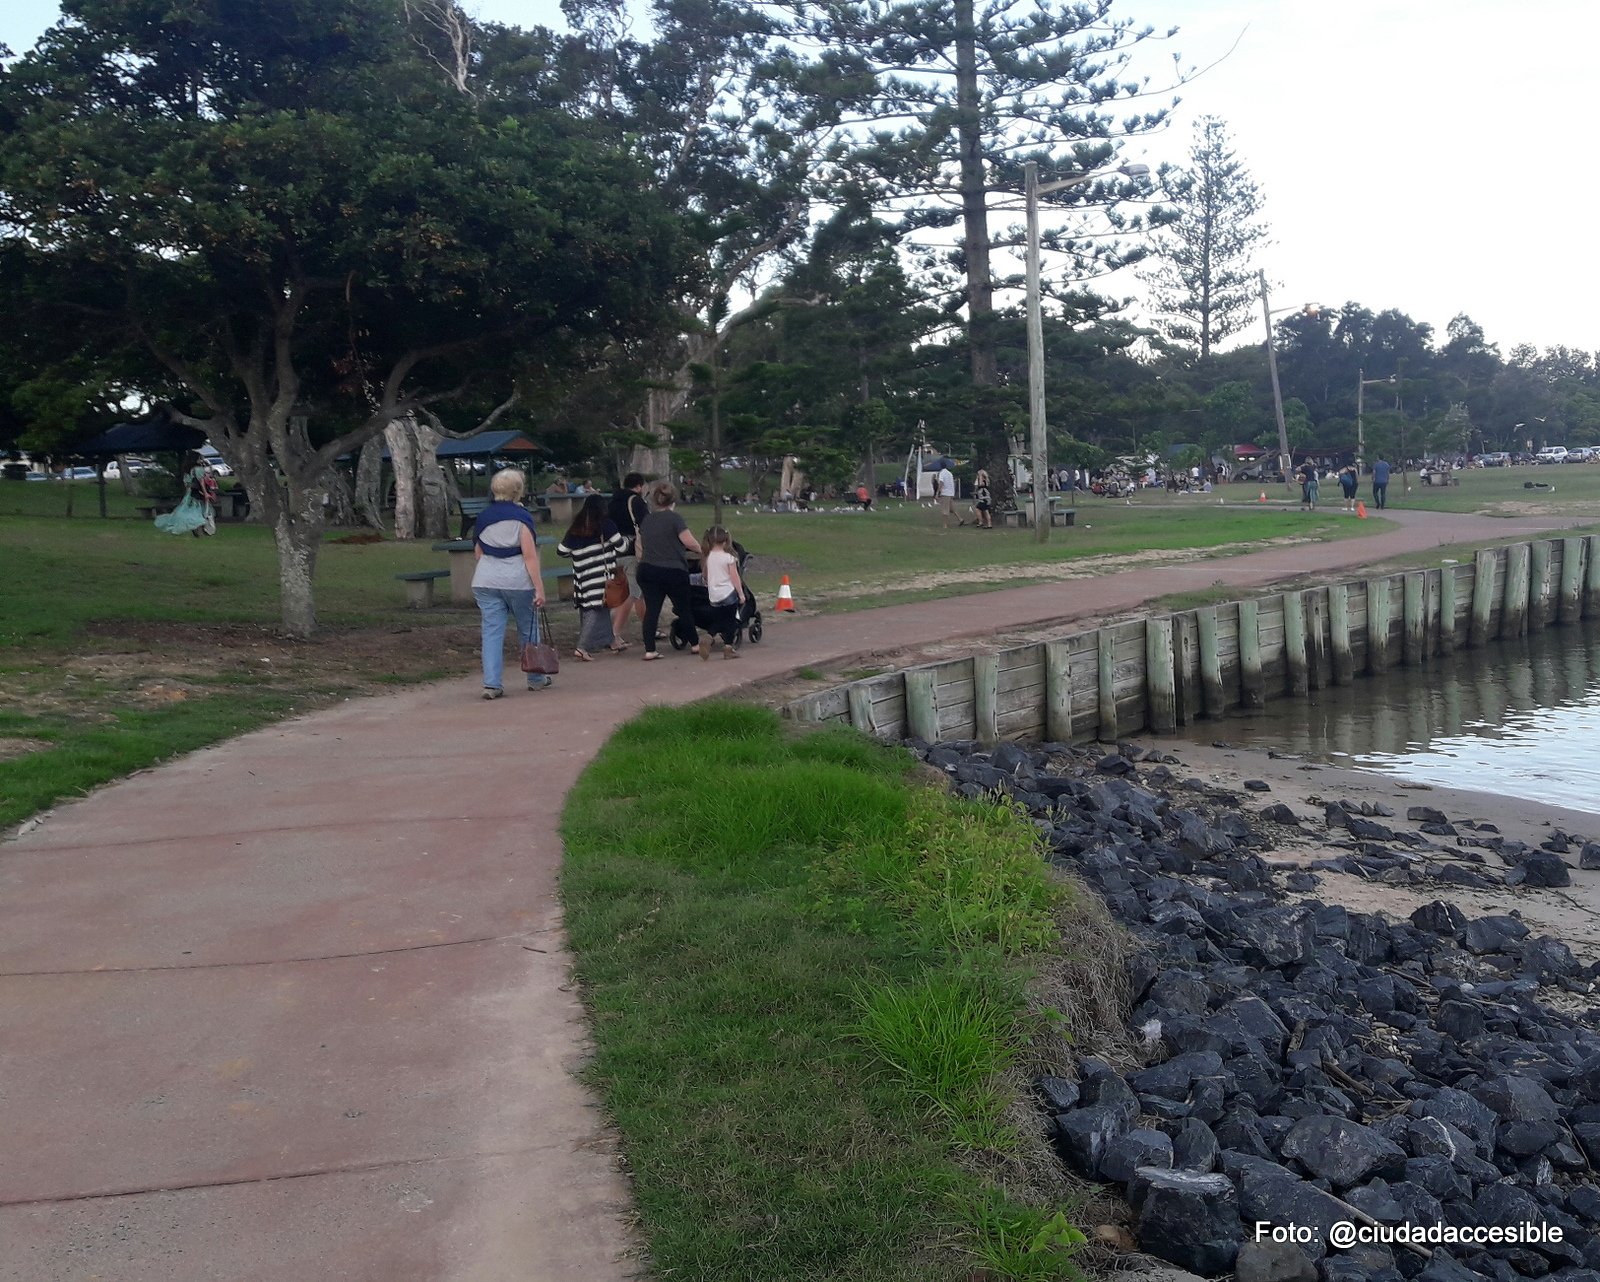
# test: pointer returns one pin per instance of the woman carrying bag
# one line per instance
(506, 581)
(592, 543)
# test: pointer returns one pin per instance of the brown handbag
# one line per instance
(541, 656)
(618, 591)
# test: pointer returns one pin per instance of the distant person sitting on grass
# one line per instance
(864, 497)
(197, 514)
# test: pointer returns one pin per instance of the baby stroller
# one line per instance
(704, 617)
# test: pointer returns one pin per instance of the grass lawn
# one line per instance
(1503, 491)
(806, 974)
(121, 646)
(846, 560)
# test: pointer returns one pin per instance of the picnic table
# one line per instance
(463, 563)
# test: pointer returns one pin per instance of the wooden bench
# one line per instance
(419, 586)
(471, 510)
(1062, 515)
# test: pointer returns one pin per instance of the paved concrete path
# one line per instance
(296, 1007)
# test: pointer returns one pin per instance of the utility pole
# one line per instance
(1037, 435)
(1277, 393)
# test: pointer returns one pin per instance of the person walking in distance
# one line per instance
(1349, 478)
(945, 485)
(1380, 484)
(627, 512)
(981, 503)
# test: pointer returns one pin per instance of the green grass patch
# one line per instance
(806, 970)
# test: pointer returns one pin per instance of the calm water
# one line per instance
(1519, 719)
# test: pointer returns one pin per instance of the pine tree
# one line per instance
(1205, 284)
(954, 95)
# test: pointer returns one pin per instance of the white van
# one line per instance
(1551, 454)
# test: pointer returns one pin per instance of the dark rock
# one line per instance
(1375, 1199)
(1186, 1218)
(1439, 918)
(1273, 1262)
(1492, 934)
(1278, 813)
(1269, 1193)
(1525, 1139)
(1543, 868)
(1194, 1147)
(1547, 959)
(1257, 785)
(1341, 1151)
(1174, 1079)
(1518, 1099)
(1360, 1264)
(1426, 815)
(1365, 830)
(1461, 1111)
(1108, 1090)
(1114, 764)
(1301, 882)
(1589, 856)
(1083, 1135)
(1057, 1094)
(1444, 1267)
(1128, 1152)
(1459, 1021)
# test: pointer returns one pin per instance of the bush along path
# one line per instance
(1304, 1066)
(808, 975)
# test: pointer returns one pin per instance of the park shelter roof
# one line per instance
(484, 444)
(150, 437)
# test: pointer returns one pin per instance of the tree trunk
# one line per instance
(431, 485)
(402, 457)
(368, 498)
(974, 200)
(297, 531)
(122, 474)
(341, 508)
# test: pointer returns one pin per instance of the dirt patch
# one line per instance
(11, 749)
(1060, 571)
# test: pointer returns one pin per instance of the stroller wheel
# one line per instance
(755, 629)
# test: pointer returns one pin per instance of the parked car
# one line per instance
(1498, 459)
(1582, 454)
(215, 462)
(37, 476)
(1551, 454)
(77, 474)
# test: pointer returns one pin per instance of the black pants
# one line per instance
(659, 584)
(1380, 495)
(725, 620)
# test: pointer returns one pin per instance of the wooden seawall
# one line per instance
(1164, 671)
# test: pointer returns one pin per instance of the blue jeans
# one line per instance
(496, 606)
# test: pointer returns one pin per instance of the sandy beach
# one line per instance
(1571, 914)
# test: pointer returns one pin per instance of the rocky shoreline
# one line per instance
(1325, 1073)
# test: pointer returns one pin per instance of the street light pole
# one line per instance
(1038, 448)
(1362, 383)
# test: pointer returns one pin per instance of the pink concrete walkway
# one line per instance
(296, 1007)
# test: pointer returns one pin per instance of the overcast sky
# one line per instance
(1434, 156)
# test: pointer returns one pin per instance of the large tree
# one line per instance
(1204, 281)
(953, 95)
(287, 218)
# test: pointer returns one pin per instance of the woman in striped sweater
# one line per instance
(592, 543)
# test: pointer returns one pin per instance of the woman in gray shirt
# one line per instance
(663, 569)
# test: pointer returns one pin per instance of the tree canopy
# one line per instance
(285, 218)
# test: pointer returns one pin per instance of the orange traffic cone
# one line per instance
(785, 597)
(1263, 497)
(1361, 510)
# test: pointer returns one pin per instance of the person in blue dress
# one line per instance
(197, 513)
